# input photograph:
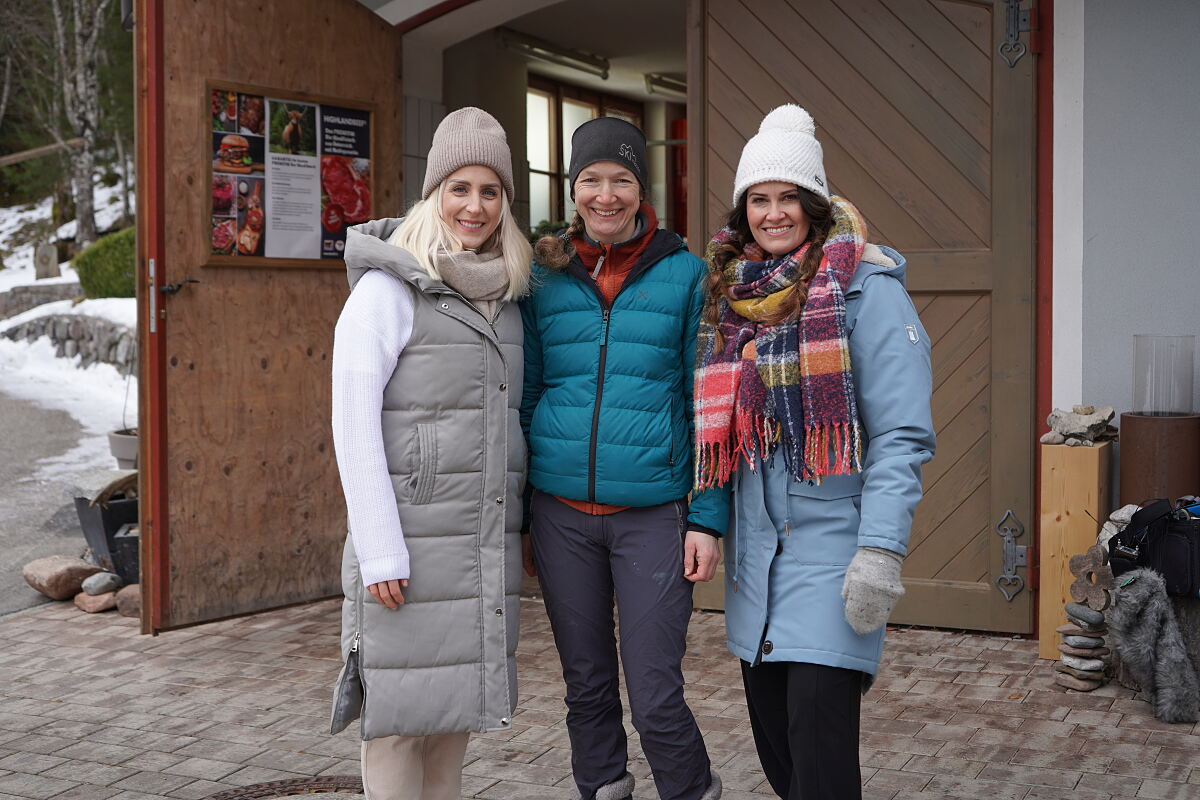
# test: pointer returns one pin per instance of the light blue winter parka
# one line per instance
(789, 543)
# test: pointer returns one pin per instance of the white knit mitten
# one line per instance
(871, 588)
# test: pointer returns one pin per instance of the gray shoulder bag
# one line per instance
(348, 694)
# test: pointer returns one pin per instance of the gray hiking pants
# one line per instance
(582, 560)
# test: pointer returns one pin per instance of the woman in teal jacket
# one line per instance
(610, 332)
(813, 404)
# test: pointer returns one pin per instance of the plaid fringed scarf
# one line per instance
(787, 385)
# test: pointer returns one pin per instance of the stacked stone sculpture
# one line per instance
(1082, 426)
(1081, 666)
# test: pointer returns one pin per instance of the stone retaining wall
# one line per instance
(22, 298)
(91, 338)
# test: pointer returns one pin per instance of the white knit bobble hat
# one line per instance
(784, 149)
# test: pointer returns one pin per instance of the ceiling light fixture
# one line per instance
(532, 47)
(657, 83)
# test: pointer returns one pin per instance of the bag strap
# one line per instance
(1144, 517)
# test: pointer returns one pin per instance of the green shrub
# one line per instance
(545, 228)
(109, 267)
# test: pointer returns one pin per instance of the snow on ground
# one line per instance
(119, 310)
(99, 398)
(18, 264)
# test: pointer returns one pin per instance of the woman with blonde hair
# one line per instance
(432, 464)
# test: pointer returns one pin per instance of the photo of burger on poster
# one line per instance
(238, 154)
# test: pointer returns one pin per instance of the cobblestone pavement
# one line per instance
(91, 710)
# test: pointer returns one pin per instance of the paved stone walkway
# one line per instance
(90, 710)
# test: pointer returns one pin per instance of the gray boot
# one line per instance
(713, 792)
(620, 789)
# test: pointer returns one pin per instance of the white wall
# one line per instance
(1067, 317)
(1141, 185)
(481, 72)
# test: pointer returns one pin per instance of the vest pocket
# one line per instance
(426, 463)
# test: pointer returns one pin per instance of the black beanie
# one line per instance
(608, 139)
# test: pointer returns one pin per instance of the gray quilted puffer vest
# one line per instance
(445, 661)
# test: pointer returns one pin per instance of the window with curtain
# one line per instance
(553, 111)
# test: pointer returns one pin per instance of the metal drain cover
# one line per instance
(348, 787)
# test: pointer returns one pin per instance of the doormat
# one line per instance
(328, 784)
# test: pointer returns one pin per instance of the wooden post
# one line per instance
(1076, 499)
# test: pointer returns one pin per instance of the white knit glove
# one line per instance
(871, 588)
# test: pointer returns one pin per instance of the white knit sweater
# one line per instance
(373, 329)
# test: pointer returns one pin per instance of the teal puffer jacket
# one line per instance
(607, 403)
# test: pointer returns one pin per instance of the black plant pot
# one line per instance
(100, 524)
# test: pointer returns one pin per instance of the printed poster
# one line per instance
(345, 175)
(288, 176)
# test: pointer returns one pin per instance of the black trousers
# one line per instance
(805, 723)
(636, 555)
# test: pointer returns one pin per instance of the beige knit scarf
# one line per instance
(480, 277)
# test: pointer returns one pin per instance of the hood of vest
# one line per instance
(367, 248)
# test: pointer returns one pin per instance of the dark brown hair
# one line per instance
(820, 218)
(554, 250)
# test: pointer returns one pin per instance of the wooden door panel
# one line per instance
(255, 515)
(930, 134)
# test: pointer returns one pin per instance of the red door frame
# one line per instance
(152, 399)
(1042, 43)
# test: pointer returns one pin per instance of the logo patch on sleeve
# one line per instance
(911, 330)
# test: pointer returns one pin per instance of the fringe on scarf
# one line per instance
(827, 450)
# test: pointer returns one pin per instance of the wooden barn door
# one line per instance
(242, 508)
(931, 134)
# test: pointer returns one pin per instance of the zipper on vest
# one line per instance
(596, 408)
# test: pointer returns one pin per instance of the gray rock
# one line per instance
(1086, 642)
(1088, 630)
(1071, 682)
(1098, 652)
(58, 577)
(124, 350)
(1088, 615)
(1124, 514)
(105, 582)
(1083, 410)
(1085, 664)
(1078, 673)
(1052, 437)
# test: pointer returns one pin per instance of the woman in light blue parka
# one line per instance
(812, 395)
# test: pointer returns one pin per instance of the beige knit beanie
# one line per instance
(784, 149)
(465, 137)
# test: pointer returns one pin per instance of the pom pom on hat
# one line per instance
(789, 118)
(784, 149)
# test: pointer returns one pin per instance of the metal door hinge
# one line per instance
(1010, 583)
(1017, 21)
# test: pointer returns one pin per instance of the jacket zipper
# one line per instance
(596, 408)
(671, 434)
(606, 308)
